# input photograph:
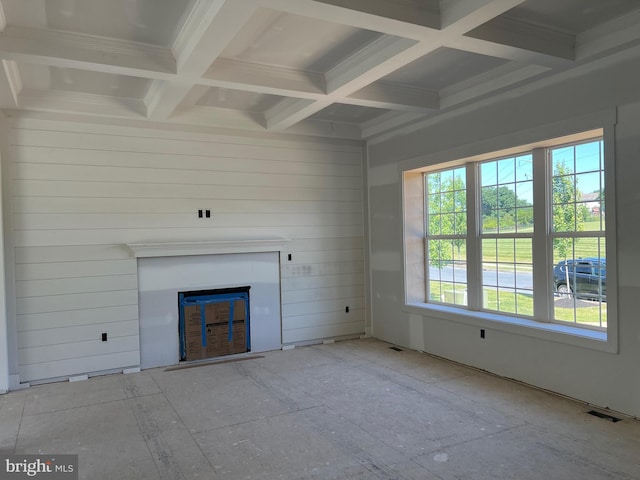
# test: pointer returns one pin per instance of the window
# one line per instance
(578, 233)
(521, 235)
(506, 234)
(446, 235)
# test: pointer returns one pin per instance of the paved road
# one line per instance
(521, 280)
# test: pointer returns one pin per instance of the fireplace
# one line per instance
(214, 323)
(163, 275)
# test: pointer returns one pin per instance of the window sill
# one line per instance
(565, 334)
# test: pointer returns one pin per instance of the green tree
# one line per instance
(502, 202)
(447, 199)
(566, 218)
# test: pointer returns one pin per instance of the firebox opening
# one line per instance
(214, 323)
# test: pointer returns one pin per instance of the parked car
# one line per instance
(582, 277)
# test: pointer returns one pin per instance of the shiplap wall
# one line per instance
(80, 191)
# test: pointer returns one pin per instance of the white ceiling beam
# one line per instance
(257, 78)
(383, 56)
(290, 111)
(459, 93)
(3, 18)
(388, 121)
(265, 79)
(507, 52)
(194, 96)
(526, 36)
(488, 82)
(10, 84)
(222, 118)
(73, 50)
(374, 60)
(609, 35)
(395, 97)
(399, 19)
(163, 97)
(466, 15)
(411, 14)
(218, 117)
(211, 26)
(324, 128)
(86, 103)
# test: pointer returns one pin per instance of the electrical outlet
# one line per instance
(346, 309)
(104, 336)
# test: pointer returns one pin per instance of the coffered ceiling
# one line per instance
(346, 68)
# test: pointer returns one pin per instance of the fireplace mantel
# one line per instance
(209, 247)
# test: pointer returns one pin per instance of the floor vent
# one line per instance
(396, 349)
(604, 416)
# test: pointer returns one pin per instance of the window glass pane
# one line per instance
(506, 301)
(507, 196)
(488, 173)
(434, 203)
(506, 221)
(586, 247)
(448, 223)
(447, 202)
(562, 160)
(460, 201)
(524, 194)
(506, 250)
(489, 250)
(507, 276)
(588, 183)
(461, 224)
(434, 226)
(433, 183)
(588, 157)
(446, 180)
(435, 291)
(524, 251)
(564, 189)
(490, 298)
(524, 219)
(524, 168)
(460, 175)
(506, 170)
(589, 216)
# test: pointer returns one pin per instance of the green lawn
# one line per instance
(518, 250)
(521, 304)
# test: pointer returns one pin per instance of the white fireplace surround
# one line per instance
(166, 268)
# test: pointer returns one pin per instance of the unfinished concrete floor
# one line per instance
(349, 410)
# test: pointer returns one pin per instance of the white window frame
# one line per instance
(600, 124)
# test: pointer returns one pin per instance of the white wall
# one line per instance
(4, 330)
(605, 379)
(81, 190)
